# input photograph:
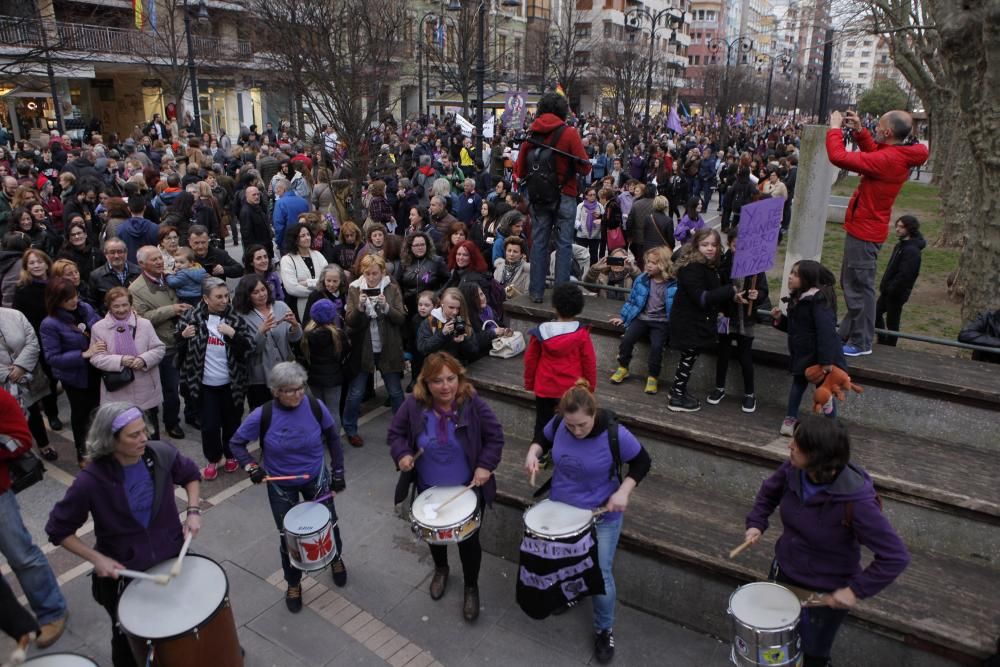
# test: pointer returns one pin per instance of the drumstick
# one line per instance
(453, 498)
(533, 472)
(600, 510)
(284, 478)
(736, 552)
(161, 579)
(323, 498)
(175, 569)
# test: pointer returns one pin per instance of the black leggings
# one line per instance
(106, 593)
(545, 410)
(220, 417)
(37, 425)
(744, 354)
(470, 552)
(683, 374)
(82, 403)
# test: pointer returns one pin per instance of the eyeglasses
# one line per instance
(291, 391)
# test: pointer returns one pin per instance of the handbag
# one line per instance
(115, 380)
(507, 347)
(616, 239)
(25, 471)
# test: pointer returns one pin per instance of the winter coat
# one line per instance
(327, 364)
(63, 344)
(820, 546)
(191, 352)
(287, 210)
(156, 304)
(87, 260)
(519, 281)
(430, 339)
(274, 346)
(740, 321)
(580, 225)
(559, 354)
(136, 233)
(254, 227)
(983, 330)
(639, 295)
(422, 274)
(293, 269)
(219, 257)
(884, 168)
(145, 391)
(693, 314)
(902, 270)
(812, 334)
(390, 329)
(478, 430)
(103, 280)
(29, 299)
(569, 142)
(19, 346)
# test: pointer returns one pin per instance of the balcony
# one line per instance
(24, 34)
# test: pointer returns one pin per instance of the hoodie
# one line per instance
(135, 233)
(903, 268)
(569, 142)
(884, 168)
(559, 354)
(820, 547)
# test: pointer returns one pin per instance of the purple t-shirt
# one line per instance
(442, 463)
(139, 492)
(582, 466)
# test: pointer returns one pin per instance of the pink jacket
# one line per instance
(145, 392)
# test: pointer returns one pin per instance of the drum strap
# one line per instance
(267, 410)
(616, 454)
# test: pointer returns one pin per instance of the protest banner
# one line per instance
(760, 224)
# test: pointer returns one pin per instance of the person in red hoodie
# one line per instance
(559, 353)
(553, 109)
(884, 164)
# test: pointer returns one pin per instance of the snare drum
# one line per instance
(187, 623)
(553, 520)
(764, 619)
(455, 522)
(61, 660)
(309, 536)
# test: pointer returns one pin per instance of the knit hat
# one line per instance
(323, 312)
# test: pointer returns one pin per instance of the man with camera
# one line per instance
(884, 164)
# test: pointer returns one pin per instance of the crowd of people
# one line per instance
(118, 287)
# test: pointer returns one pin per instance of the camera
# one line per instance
(371, 292)
(616, 261)
(459, 327)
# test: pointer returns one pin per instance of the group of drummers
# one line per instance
(447, 444)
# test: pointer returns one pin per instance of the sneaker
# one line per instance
(685, 403)
(175, 432)
(51, 632)
(851, 351)
(231, 465)
(749, 403)
(619, 375)
(652, 385)
(55, 423)
(210, 472)
(293, 599)
(604, 646)
(559, 611)
(536, 299)
(339, 573)
(788, 426)
(356, 440)
(716, 396)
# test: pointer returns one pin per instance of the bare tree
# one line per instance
(622, 69)
(574, 46)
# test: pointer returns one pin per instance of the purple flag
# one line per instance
(673, 122)
(739, 117)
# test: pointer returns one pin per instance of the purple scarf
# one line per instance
(443, 417)
(590, 208)
(124, 336)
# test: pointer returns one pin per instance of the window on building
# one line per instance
(700, 15)
(852, 42)
(583, 30)
(609, 30)
(581, 58)
(866, 54)
(867, 42)
(584, 4)
(862, 65)
(710, 16)
(696, 59)
(848, 54)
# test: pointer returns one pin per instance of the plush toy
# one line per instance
(834, 383)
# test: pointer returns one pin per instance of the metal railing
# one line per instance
(26, 33)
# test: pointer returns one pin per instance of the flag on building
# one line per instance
(560, 89)
(151, 15)
(139, 9)
(440, 33)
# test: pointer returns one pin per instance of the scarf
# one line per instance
(317, 242)
(124, 338)
(443, 417)
(509, 270)
(590, 208)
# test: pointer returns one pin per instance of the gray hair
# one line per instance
(282, 184)
(469, 181)
(114, 240)
(101, 440)
(439, 199)
(442, 187)
(210, 283)
(143, 253)
(287, 374)
(331, 268)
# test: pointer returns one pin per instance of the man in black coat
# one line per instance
(216, 261)
(983, 330)
(254, 225)
(900, 275)
(118, 272)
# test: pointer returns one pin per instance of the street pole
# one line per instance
(192, 74)
(795, 105)
(420, 70)
(824, 95)
(49, 71)
(649, 76)
(770, 79)
(480, 77)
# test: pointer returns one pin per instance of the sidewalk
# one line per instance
(384, 615)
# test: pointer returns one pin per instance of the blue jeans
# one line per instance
(330, 396)
(608, 532)
(356, 394)
(542, 222)
(795, 394)
(170, 380)
(29, 563)
(282, 498)
(817, 627)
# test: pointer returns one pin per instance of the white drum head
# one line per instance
(425, 511)
(765, 606)
(306, 518)
(151, 611)
(552, 518)
(61, 660)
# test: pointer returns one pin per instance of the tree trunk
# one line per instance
(956, 190)
(979, 264)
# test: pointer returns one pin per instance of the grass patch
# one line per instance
(930, 311)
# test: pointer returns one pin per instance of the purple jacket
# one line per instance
(99, 490)
(478, 430)
(817, 548)
(63, 345)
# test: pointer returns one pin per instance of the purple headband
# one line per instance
(122, 420)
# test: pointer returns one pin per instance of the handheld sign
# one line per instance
(760, 224)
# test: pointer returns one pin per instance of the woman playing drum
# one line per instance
(462, 442)
(586, 476)
(128, 489)
(829, 508)
(293, 446)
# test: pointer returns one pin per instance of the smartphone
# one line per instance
(374, 291)
(616, 261)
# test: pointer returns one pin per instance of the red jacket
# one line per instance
(559, 354)
(884, 168)
(14, 425)
(569, 142)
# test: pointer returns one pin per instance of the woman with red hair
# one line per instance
(468, 267)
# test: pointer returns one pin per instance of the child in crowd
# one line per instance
(187, 276)
(811, 324)
(325, 346)
(736, 325)
(693, 315)
(646, 314)
(691, 222)
(427, 301)
(559, 353)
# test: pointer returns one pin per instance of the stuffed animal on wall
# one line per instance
(834, 383)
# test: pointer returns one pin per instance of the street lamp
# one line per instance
(551, 52)
(420, 57)
(670, 18)
(202, 18)
(785, 61)
(454, 6)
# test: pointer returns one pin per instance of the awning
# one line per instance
(21, 91)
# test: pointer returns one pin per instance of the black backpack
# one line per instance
(544, 185)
